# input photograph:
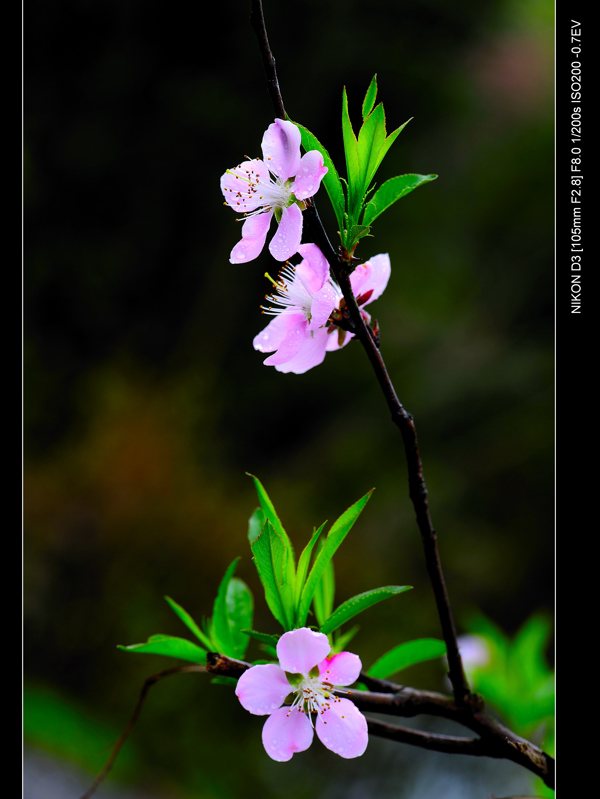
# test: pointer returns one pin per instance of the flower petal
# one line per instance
(301, 650)
(291, 343)
(372, 276)
(281, 148)
(340, 669)
(286, 241)
(342, 728)
(314, 269)
(309, 175)
(270, 338)
(262, 689)
(286, 731)
(333, 339)
(311, 353)
(322, 305)
(241, 186)
(254, 234)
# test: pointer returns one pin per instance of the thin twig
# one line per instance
(400, 417)
(148, 683)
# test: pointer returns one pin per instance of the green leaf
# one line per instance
(190, 623)
(354, 235)
(392, 190)
(342, 640)
(331, 181)
(269, 511)
(221, 632)
(336, 535)
(240, 608)
(405, 655)
(370, 96)
(371, 140)
(304, 563)
(385, 147)
(255, 524)
(352, 607)
(324, 594)
(264, 638)
(170, 646)
(271, 557)
(351, 153)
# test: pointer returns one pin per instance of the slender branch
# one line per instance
(148, 683)
(495, 740)
(400, 417)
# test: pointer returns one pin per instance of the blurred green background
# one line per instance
(145, 403)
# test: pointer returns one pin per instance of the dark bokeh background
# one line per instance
(145, 403)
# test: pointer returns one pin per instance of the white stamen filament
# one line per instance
(312, 696)
(273, 194)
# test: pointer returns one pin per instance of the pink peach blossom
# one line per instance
(307, 676)
(276, 187)
(303, 302)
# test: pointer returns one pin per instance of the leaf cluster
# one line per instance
(364, 153)
(233, 611)
(290, 590)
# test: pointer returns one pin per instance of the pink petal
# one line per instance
(291, 343)
(322, 305)
(286, 731)
(241, 185)
(309, 175)
(269, 339)
(314, 269)
(281, 148)
(262, 689)
(301, 650)
(311, 353)
(254, 234)
(341, 669)
(343, 728)
(373, 276)
(333, 340)
(286, 241)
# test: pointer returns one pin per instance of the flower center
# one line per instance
(291, 295)
(312, 696)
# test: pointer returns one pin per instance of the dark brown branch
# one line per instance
(341, 269)
(148, 683)
(495, 740)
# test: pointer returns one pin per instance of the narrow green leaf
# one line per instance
(405, 655)
(392, 190)
(271, 514)
(271, 558)
(386, 146)
(355, 234)
(352, 607)
(221, 632)
(371, 139)
(304, 563)
(324, 594)
(240, 609)
(370, 96)
(351, 152)
(331, 181)
(190, 623)
(264, 638)
(343, 639)
(170, 646)
(255, 524)
(336, 535)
